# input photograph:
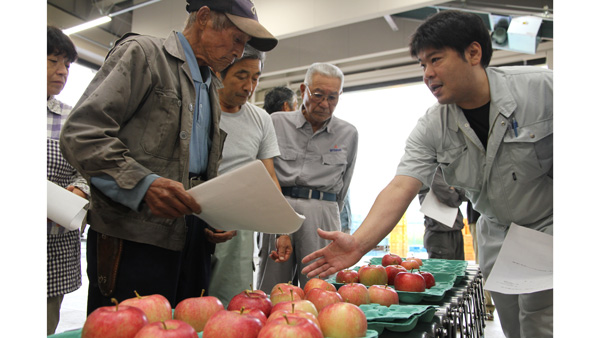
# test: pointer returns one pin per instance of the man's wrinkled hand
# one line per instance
(167, 198)
(283, 246)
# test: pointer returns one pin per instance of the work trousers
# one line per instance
(522, 315)
(149, 269)
(319, 214)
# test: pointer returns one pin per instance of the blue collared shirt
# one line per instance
(199, 145)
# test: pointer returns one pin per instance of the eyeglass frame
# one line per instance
(312, 97)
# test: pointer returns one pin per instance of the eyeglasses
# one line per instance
(319, 97)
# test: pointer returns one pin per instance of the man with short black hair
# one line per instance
(491, 133)
(144, 132)
(280, 99)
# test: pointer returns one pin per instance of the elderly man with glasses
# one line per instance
(318, 153)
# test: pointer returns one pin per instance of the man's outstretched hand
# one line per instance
(341, 253)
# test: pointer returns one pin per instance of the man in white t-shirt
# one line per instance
(250, 136)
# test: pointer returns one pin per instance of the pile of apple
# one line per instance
(392, 271)
(316, 311)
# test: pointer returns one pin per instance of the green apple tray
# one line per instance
(397, 318)
(443, 283)
(459, 268)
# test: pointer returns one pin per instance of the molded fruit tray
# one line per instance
(459, 268)
(397, 318)
(443, 283)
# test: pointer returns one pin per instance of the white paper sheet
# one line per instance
(433, 208)
(65, 207)
(524, 264)
(246, 199)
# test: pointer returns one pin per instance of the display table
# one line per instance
(461, 313)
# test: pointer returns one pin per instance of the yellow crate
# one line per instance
(399, 238)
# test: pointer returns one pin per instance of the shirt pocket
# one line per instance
(161, 134)
(461, 169)
(531, 150)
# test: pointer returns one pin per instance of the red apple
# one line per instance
(383, 295)
(156, 307)
(410, 264)
(290, 327)
(391, 259)
(429, 279)
(250, 299)
(321, 298)
(392, 271)
(408, 281)
(294, 313)
(171, 328)
(255, 313)
(302, 305)
(355, 293)
(347, 276)
(416, 259)
(372, 275)
(343, 320)
(119, 321)
(281, 295)
(287, 286)
(196, 310)
(317, 283)
(231, 324)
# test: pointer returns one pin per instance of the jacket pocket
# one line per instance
(161, 135)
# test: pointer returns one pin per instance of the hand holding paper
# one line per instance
(65, 207)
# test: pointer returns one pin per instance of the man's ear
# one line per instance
(286, 107)
(202, 16)
(473, 53)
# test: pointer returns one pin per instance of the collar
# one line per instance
(57, 107)
(501, 100)
(198, 73)
(300, 120)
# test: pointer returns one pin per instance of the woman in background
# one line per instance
(64, 248)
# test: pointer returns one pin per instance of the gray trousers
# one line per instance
(319, 214)
(523, 315)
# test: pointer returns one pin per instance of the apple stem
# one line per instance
(293, 306)
(286, 319)
(242, 310)
(113, 300)
(164, 324)
(137, 294)
(291, 294)
(202, 293)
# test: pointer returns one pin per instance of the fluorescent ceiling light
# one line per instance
(87, 25)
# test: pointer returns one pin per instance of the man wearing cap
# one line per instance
(318, 154)
(145, 131)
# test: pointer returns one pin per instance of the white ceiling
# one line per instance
(353, 34)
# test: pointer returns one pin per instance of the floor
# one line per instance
(72, 314)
